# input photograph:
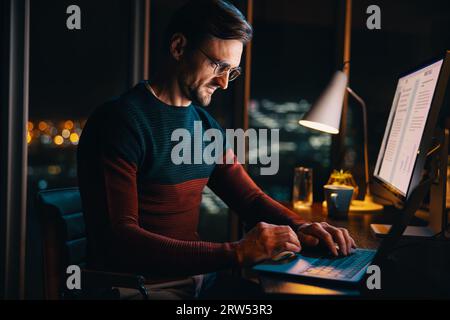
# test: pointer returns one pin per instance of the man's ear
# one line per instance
(178, 44)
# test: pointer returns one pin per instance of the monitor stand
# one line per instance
(437, 214)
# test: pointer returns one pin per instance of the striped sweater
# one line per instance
(141, 209)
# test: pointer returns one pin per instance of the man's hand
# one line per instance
(264, 241)
(311, 234)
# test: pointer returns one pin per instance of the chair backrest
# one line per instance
(64, 236)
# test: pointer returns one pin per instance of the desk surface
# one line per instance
(358, 224)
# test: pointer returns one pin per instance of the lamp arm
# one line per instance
(366, 153)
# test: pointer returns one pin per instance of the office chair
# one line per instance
(64, 244)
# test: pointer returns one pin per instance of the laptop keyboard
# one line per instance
(340, 267)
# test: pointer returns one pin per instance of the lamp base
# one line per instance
(366, 205)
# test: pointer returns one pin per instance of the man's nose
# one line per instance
(223, 80)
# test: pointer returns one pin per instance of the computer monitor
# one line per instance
(409, 131)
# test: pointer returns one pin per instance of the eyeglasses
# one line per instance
(222, 68)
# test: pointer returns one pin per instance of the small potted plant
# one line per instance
(344, 178)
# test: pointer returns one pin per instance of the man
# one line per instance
(141, 209)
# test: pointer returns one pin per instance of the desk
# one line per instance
(433, 267)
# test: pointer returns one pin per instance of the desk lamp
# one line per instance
(325, 116)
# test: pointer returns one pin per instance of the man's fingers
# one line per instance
(311, 234)
(291, 247)
(288, 237)
(294, 237)
(348, 239)
(318, 231)
(338, 237)
(283, 230)
(308, 240)
(284, 246)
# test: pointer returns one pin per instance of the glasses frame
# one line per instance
(218, 65)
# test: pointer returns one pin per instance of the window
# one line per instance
(293, 58)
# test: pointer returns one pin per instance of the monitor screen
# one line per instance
(405, 126)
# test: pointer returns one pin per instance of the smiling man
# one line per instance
(141, 209)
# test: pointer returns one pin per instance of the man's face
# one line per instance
(197, 78)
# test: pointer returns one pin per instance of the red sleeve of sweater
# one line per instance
(235, 187)
(151, 251)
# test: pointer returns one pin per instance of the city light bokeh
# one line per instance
(52, 146)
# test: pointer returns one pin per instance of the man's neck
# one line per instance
(168, 91)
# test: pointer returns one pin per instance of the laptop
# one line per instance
(350, 269)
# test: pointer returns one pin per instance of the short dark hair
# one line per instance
(199, 19)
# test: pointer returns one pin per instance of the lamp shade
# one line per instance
(325, 114)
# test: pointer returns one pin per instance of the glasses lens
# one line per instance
(234, 74)
(222, 69)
